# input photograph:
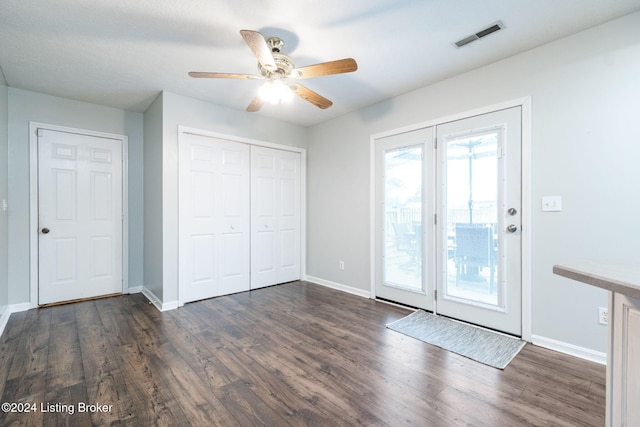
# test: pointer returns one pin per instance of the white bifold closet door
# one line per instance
(275, 216)
(239, 217)
(214, 217)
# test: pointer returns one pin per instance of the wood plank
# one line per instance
(213, 359)
(29, 389)
(344, 382)
(33, 347)
(64, 360)
(296, 354)
(104, 380)
(10, 346)
(62, 406)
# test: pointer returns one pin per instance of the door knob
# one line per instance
(511, 228)
(45, 230)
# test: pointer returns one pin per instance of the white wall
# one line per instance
(177, 111)
(25, 106)
(585, 92)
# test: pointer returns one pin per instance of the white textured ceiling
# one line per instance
(122, 53)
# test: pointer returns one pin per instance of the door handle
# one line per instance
(511, 228)
(45, 230)
(512, 211)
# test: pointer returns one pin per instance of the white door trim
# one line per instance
(33, 201)
(525, 104)
(303, 180)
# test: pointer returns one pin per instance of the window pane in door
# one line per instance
(472, 216)
(403, 190)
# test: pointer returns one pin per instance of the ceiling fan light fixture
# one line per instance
(277, 68)
(275, 92)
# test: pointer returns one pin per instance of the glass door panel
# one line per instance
(472, 214)
(404, 246)
(403, 188)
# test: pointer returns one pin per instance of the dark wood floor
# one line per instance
(295, 354)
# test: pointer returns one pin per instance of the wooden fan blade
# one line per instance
(256, 104)
(259, 47)
(206, 75)
(311, 96)
(340, 66)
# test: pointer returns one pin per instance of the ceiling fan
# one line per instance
(278, 68)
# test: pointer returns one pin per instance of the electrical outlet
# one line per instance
(340, 265)
(603, 315)
(552, 204)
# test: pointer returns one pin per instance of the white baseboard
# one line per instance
(339, 286)
(570, 349)
(135, 289)
(160, 305)
(24, 306)
(4, 319)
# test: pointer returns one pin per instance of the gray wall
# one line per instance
(4, 230)
(179, 110)
(153, 197)
(584, 91)
(25, 106)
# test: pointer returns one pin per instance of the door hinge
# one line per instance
(435, 294)
(435, 219)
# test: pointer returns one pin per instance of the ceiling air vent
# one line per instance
(480, 34)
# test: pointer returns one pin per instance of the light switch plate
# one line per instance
(552, 204)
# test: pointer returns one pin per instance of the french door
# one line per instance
(448, 219)
(405, 180)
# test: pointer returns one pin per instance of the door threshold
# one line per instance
(399, 304)
(73, 301)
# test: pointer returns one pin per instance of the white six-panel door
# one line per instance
(275, 216)
(214, 217)
(80, 216)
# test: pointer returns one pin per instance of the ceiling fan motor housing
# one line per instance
(284, 63)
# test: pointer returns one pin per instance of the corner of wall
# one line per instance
(4, 188)
(152, 194)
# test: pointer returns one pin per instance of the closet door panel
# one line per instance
(275, 216)
(214, 217)
(289, 216)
